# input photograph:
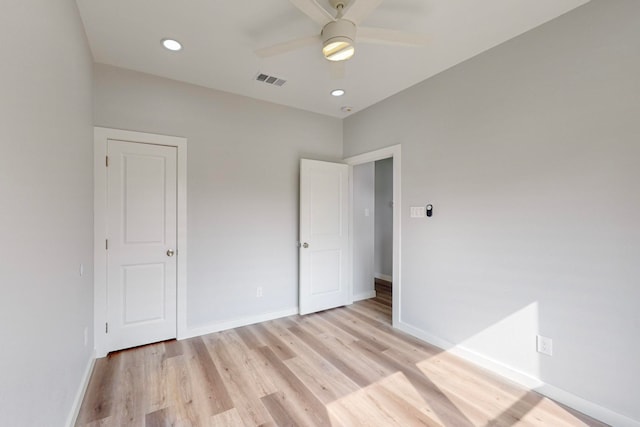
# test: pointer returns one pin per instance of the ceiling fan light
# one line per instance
(338, 49)
(337, 40)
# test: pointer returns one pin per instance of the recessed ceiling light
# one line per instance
(171, 44)
(337, 92)
(346, 109)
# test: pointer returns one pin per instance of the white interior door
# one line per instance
(141, 256)
(324, 234)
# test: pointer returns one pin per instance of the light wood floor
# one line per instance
(341, 367)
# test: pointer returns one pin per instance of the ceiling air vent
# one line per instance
(270, 80)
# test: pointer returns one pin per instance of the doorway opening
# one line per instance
(375, 230)
(373, 234)
(383, 231)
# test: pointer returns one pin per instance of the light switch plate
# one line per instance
(418, 212)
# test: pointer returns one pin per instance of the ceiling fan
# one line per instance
(340, 33)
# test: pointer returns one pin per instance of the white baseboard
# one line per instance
(364, 295)
(77, 401)
(593, 410)
(383, 277)
(236, 323)
(585, 406)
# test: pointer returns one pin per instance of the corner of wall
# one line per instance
(82, 389)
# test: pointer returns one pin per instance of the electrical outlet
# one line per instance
(544, 345)
(259, 292)
(86, 335)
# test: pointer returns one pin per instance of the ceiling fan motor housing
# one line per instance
(340, 28)
(338, 40)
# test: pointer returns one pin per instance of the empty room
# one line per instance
(320, 213)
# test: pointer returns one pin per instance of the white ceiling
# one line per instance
(219, 38)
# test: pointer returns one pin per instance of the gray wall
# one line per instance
(46, 187)
(363, 230)
(529, 153)
(384, 217)
(243, 173)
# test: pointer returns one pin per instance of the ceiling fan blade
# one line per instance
(360, 9)
(313, 10)
(287, 46)
(390, 37)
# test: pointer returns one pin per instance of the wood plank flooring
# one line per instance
(341, 367)
(384, 291)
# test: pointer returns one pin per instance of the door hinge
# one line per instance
(106, 162)
(106, 328)
(106, 244)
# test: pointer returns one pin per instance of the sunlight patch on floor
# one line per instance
(391, 401)
(487, 400)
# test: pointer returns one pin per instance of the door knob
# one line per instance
(305, 245)
(170, 252)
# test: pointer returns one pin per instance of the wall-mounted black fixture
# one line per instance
(429, 210)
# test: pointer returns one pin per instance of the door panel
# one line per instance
(144, 198)
(325, 271)
(325, 195)
(324, 236)
(141, 227)
(143, 296)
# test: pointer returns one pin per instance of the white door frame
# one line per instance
(101, 136)
(394, 152)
